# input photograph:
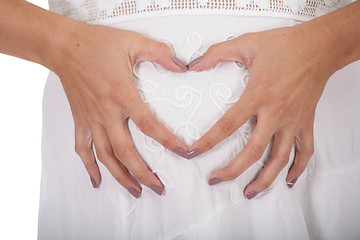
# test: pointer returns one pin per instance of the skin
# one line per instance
(289, 68)
(98, 82)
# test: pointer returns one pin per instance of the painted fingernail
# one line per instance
(193, 153)
(134, 192)
(181, 152)
(193, 62)
(250, 195)
(291, 184)
(214, 181)
(93, 182)
(180, 63)
(240, 65)
(157, 189)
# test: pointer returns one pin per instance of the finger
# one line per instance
(106, 156)
(232, 119)
(229, 50)
(83, 147)
(281, 149)
(125, 152)
(304, 149)
(251, 153)
(145, 120)
(161, 53)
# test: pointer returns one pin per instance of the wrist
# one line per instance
(34, 34)
(313, 50)
(60, 42)
(337, 48)
(336, 36)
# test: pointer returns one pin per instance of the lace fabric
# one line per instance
(111, 11)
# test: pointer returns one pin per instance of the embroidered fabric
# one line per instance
(197, 90)
(188, 104)
(110, 11)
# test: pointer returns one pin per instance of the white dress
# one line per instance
(323, 204)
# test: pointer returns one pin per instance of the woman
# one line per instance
(199, 102)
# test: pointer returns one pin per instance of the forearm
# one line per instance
(338, 33)
(32, 33)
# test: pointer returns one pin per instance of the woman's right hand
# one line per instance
(95, 68)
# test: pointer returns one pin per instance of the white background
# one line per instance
(21, 89)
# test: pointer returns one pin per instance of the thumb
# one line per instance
(161, 53)
(230, 50)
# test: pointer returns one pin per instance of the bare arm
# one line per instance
(337, 33)
(100, 90)
(289, 68)
(32, 33)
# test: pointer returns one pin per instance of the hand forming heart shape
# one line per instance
(285, 84)
(281, 95)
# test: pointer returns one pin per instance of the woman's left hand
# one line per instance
(289, 68)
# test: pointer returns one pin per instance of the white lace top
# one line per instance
(110, 11)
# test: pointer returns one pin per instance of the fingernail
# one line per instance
(193, 153)
(193, 62)
(157, 189)
(240, 65)
(134, 192)
(250, 195)
(214, 181)
(291, 184)
(93, 182)
(181, 152)
(180, 63)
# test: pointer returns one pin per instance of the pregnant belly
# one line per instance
(189, 104)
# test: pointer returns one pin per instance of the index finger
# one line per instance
(232, 119)
(145, 120)
(252, 152)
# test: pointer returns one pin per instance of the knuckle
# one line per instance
(245, 35)
(129, 102)
(256, 151)
(251, 40)
(263, 184)
(301, 168)
(81, 149)
(116, 94)
(146, 124)
(101, 107)
(166, 142)
(120, 178)
(215, 48)
(102, 155)
(285, 106)
(121, 151)
(303, 162)
(227, 126)
(309, 150)
(231, 173)
(131, 37)
(282, 160)
(282, 108)
(162, 47)
(207, 142)
(87, 164)
(143, 175)
(285, 103)
(294, 120)
(305, 145)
